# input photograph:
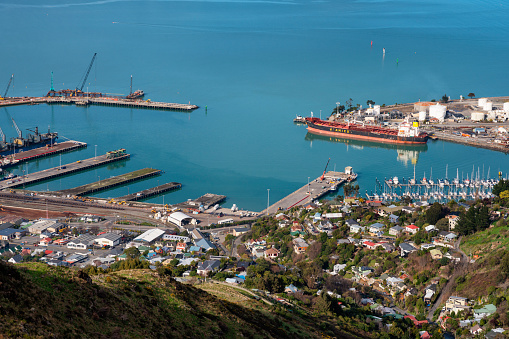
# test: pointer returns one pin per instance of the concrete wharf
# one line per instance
(105, 101)
(111, 182)
(59, 171)
(150, 192)
(312, 191)
(40, 152)
(207, 200)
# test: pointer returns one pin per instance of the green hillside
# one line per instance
(40, 301)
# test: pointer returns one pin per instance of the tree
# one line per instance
(471, 95)
(434, 213)
(502, 185)
(132, 253)
(445, 99)
(475, 219)
(370, 102)
(349, 102)
(322, 304)
(442, 224)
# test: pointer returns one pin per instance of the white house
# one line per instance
(357, 228)
(82, 242)
(109, 239)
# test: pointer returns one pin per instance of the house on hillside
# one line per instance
(406, 249)
(412, 229)
(436, 254)
(300, 245)
(376, 228)
(396, 231)
(272, 253)
(204, 268)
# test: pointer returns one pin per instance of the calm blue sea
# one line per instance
(255, 65)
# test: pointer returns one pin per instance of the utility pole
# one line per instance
(268, 198)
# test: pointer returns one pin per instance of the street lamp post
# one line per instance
(95, 151)
(268, 199)
(308, 187)
(337, 107)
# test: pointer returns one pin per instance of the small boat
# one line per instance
(299, 119)
(395, 180)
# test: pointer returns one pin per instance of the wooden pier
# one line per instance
(111, 182)
(150, 192)
(59, 171)
(36, 153)
(105, 101)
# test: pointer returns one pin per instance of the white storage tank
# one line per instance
(477, 116)
(492, 116)
(482, 102)
(376, 109)
(488, 106)
(437, 111)
(422, 116)
(506, 107)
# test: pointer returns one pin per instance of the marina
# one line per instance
(150, 192)
(475, 186)
(78, 166)
(111, 182)
(48, 150)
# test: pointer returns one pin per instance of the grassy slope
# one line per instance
(38, 301)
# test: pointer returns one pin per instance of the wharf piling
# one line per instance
(150, 192)
(111, 182)
(59, 171)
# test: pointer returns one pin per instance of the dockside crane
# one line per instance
(325, 170)
(85, 76)
(2, 135)
(8, 86)
(19, 140)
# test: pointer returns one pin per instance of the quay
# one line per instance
(59, 171)
(474, 142)
(313, 191)
(111, 182)
(36, 153)
(207, 200)
(105, 101)
(150, 192)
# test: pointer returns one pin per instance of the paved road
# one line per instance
(243, 289)
(459, 269)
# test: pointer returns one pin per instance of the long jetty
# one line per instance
(59, 171)
(41, 152)
(310, 192)
(150, 192)
(105, 101)
(111, 182)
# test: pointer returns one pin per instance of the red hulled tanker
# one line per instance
(405, 134)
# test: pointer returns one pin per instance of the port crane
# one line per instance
(85, 76)
(2, 135)
(8, 86)
(323, 175)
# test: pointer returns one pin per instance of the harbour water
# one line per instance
(251, 66)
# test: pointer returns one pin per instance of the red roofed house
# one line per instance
(424, 335)
(369, 244)
(47, 252)
(181, 246)
(25, 251)
(45, 242)
(272, 253)
(411, 229)
(296, 228)
(416, 322)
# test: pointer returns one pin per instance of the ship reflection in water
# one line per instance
(406, 153)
